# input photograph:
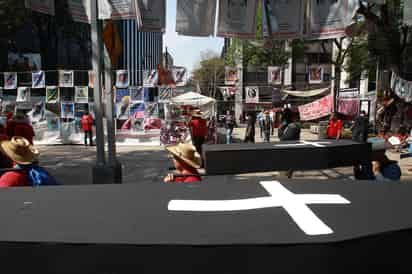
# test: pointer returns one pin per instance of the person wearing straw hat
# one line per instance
(23, 154)
(187, 161)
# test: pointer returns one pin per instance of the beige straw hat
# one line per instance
(187, 153)
(19, 150)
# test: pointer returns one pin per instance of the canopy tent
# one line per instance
(306, 93)
(193, 99)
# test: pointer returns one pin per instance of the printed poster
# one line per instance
(252, 95)
(117, 9)
(231, 76)
(137, 110)
(122, 78)
(42, 6)
(67, 110)
(10, 80)
(52, 95)
(123, 110)
(151, 110)
(274, 75)
(122, 95)
(316, 109)
(315, 74)
(286, 18)
(38, 79)
(329, 18)
(195, 17)
(81, 95)
(91, 78)
(165, 94)
(150, 78)
(80, 10)
(23, 95)
(237, 18)
(179, 76)
(136, 94)
(407, 12)
(66, 78)
(151, 15)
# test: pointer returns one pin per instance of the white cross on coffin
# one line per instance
(294, 204)
(305, 143)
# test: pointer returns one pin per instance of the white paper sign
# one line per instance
(10, 80)
(23, 95)
(42, 6)
(237, 18)
(179, 76)
(195, 17)
(151, 15)
(286, 18)
(252, 95)
(66, 78)
(38, 79)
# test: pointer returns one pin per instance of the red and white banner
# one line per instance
(316, 109)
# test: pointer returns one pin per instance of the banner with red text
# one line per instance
(316, 109)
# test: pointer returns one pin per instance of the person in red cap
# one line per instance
(199, 130)
(87, 123)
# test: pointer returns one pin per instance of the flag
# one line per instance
(151, 15)
(195, 17)
(112, 42)
(42, 6)
(237, 18)
(286, 19)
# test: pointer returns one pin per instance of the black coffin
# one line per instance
(282, 156)
(129, 229)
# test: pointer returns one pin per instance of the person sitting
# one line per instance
(335, 127)
(186, 161)
(288, 130)
(386, 169)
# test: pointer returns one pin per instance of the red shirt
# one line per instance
(24, 130)
(199, 127)
(334, 127)
(189, 179)
(14, 178)
(87, 121)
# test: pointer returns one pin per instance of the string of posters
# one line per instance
(401, 87)
(284, 19)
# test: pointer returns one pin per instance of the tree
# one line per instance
(209, 73)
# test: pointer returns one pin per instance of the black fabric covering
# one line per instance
(128, 229)
(262, 157)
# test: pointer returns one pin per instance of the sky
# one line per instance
(186, 50)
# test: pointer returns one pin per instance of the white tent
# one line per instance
(193, 99)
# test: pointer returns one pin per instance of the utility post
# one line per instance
(100, 168)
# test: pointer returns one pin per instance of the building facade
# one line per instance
(141, 50)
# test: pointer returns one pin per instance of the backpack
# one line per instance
(38, 176)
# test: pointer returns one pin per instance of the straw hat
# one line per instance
(19, 150)
(187, 153)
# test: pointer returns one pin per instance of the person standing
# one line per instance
(360, 128)
(199, 130)
(250, 128)
(335, 127)
(87, 123)
(260, 121)
(267, 126)
(230, 124)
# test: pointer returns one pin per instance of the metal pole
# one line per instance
(96, 62)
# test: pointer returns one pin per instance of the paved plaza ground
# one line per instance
(72, 165)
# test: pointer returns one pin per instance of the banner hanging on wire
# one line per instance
(237, 18)
(151, 15)
(117, 9)
(195, 17)
(284, 19)
(80, 10)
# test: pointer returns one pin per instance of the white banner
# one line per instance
(286, 18)
(117, 9)
(43, 6)
(274, 75)
(329, 19)
(195, 17)
(237, 18)
(80, 10)
(407, 12)
(151, 15)
(252, 95)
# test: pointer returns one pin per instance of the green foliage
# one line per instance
(209, 73)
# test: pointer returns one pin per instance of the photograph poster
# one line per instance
(81, 95)
(38, 79)
(23, 95)
(315, 74)
(10, 80)
(66, 78)
(122, 79)
(67, 110)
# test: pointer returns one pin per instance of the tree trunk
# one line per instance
(338, 71)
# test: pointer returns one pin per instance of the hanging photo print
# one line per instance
(151, 15)
(23, 95)
(315, 74)
(123, 110)
(252, 95)
(122, 94)
(52, 95)
(285, 19)
(66, 78)
(38, 79)
(81, 95)
(91, 78)
(274, 75)
(195, 17)
(137, 110)
(38, 113)
(136, 94)
(179, 76)
(165, 94)
(122, 78)
(67, 110)
(10, 80)
(237, 18)
(150, 78)
(151, 110)
(231, 76)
